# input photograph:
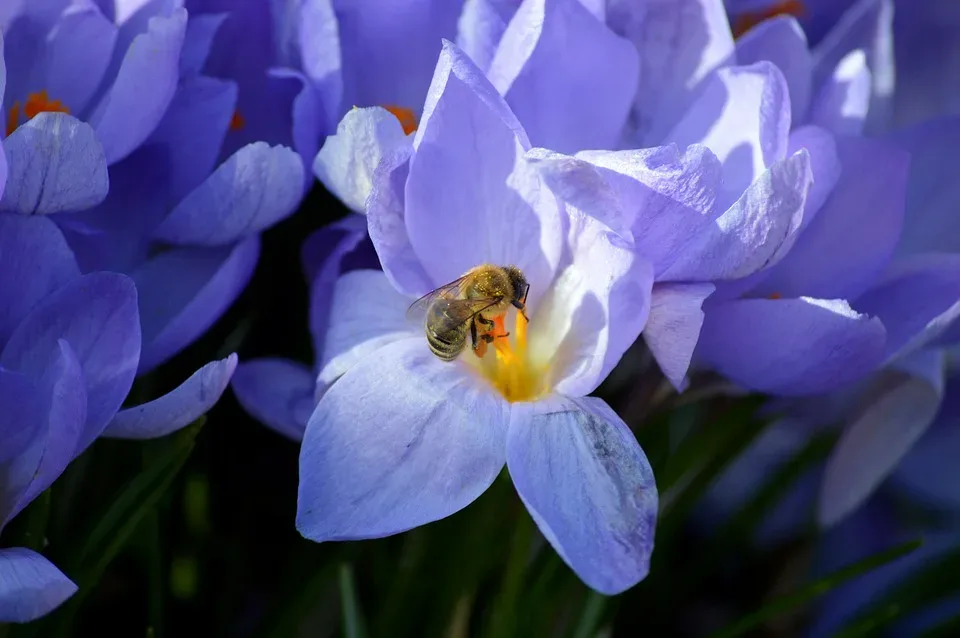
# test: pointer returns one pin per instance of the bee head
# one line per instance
(519, 282)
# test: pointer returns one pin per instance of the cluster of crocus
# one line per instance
(128, 225)
(727, 188)
(770, 225)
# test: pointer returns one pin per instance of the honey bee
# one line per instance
(469, 305)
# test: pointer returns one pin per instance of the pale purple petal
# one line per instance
(933, 193)
(742, 114)
(867, 25)
(842, 104)
(755, 232)
(184, 290)
(344, 246)
(97, 315)
(197, 42)
(189, 137)
(588, 486)
(680, 43)
(928, 472)
(593, 311)
(401, 440)
(386, 224)
(673, 327)
(56, 164)
(320, 57)
(896, 411)
(657, 196)
(256, 187)
(308, 123)
(60, 434)
(348, 159)
(824, 166)
(781, 40)
(388, 49)
(481, 25)
(492, 207)
(790, 346)
(34, 261)
(30, 585)
(21, 421)
(77, 52)
(841, 253)
(366, 314)
(276, 392)
(176, 409)
(144, 86)
(917, 300)
(553, 52)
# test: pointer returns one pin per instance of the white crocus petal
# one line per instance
(898, 409)
(347, 160)
(367, 314)
(588, 485)
(593, 311)
(401, 440)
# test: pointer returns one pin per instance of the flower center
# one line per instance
(406, 117)
(35, 103)
(511, 371)
(747, 21)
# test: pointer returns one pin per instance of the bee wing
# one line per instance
(447, 314)
(418, 309)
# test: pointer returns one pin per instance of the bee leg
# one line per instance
(520, 306)
(489, 323)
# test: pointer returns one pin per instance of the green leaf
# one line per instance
(591, 615)
(937, 578)
(817, 588)
(743, 525)
(702, 456)
(121, 519)
(949, 628)
(353, 626)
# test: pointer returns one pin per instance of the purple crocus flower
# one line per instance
(56, 168)
(69, 345)
(402, 438)
(768, 274)
(918, 300)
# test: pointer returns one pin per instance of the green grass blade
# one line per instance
(817, 588)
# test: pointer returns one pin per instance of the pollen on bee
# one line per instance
(747, 21)
(35, 104)
(406, 117)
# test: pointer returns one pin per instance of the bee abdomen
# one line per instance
(447, 347)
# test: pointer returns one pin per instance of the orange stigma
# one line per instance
(747, 21)
(35, 104)
(237, 121)
(406, 117)
(775, 295)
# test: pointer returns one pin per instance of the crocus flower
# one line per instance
(769, 276)
(402, 438)
(69, 345)
(183, 228)
(918, 300)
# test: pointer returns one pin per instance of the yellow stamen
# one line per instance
(406, 117)
(747, 21)
(35, 104)
(511, 371)
(237, 121)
